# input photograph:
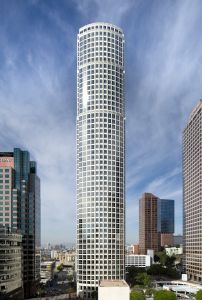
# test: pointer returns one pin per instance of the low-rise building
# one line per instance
(65, 257)
(133, 249)
(174, 250)
(47, 268)
(140, 261)
(113, 290)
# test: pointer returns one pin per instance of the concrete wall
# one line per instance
(113, 293)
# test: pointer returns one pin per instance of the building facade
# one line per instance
(174, 250)
(192, 193)
(148, 230)
(166, 221)
(156, 222)
(65, 257)
(20, 209)
(100, 156)
(132, 249)
(139, 261)
(10, 264)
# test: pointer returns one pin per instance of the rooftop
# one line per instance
(6, 154)
(113, 283)
(94, 24)
(195, 110)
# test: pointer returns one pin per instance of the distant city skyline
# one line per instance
(38, 97)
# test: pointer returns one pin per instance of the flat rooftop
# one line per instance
(113, 283)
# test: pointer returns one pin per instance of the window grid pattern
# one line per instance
(100, 156)
(192, 194)
(6, 196)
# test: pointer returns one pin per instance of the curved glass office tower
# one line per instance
(100, 156)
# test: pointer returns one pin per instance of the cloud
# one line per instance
(163, 83)
(38, 96)
(105, 11)
(38, 114)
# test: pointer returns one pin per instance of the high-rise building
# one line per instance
(100, 156)
(148, 231)
(10, 264)
(156, 222)
(192, 193)
(20, 209)
(166, 217)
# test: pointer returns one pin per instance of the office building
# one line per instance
(132, 249)
(148, 233)
(47, 271)
(10, 264)
(174, 250)
(166, 226)
(20, 209)
(156, 222)
(192, 193)
(65, 257)
(100, 156)
(139, 261)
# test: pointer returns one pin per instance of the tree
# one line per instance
(156, 269)
(199, 295)
(131, 273)
(164, 259)
(69, 277)
(137, 295)
(60, 267)
(143, 279)
(156, 258)
(149, 291)
(164, 295)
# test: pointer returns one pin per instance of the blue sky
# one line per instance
(163, 82)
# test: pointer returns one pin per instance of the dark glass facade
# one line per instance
(25, 214)
(165, 216)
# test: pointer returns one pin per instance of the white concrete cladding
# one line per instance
(140, 261)
(100, 156)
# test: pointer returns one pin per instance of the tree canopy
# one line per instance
(143, 279)
(137, 295)
(164, 259)
(132, 273)
(164, 295)
(199, 295)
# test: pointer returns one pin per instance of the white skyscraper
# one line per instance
(192, 193)
(100, 156)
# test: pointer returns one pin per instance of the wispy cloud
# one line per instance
(38, 96)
